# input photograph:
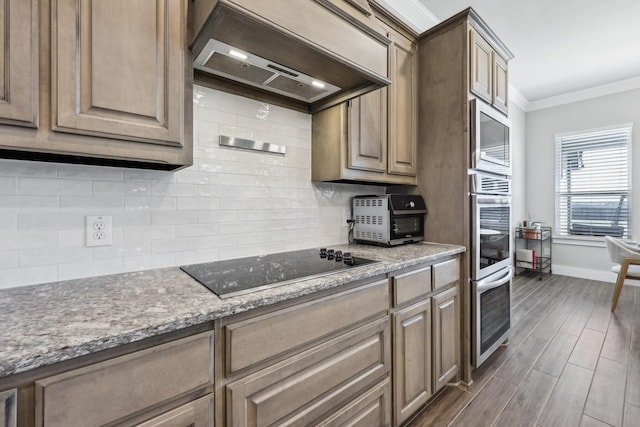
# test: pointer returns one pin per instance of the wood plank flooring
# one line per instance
(569, 362)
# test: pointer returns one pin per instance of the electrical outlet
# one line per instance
(99, 230)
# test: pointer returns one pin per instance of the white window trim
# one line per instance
(577, 240)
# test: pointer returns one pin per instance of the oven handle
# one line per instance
(484, 285)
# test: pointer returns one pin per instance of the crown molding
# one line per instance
(584, 94)
(411, 12)
(517, 98)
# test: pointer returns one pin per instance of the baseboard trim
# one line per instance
(586, 273)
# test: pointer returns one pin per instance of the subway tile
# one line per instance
(148, 262)
(196, 177)
(205, 217)
(28, 276)
(128, 188)
(148, 175)
(50, 220)
(58, 187)
(198, 204)
(150, 204)
(195, 230)
(28, 239)
(52, 256)
(132, 219)
(161, 246)
(97, 205)
(8, 221)
(174, 217)
(19, 203)
(20, 168)
(134, 234)
(90, 172)
(72, 238)
(173, 190)
(8, 185)
(94, 268)
(8, 260)
(196, 257)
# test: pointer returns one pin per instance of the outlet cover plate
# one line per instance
(99, 230)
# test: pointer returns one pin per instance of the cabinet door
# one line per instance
(367, 131)
(118, 69)
(198, 413)
(500, 83)
(313, 384)
(403, 105)
(446, 306)
(8, 408)
(480, 65)
(19, 62)
(412, 359)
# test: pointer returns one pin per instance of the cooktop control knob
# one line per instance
(338, 255)
(323, 252)
(348, 259)
(330, 254)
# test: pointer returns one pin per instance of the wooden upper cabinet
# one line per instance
(118, 69)
(368, 131)
(488, 72)
(403, 105)
(480, 66)
(500, 94)
(19, 62)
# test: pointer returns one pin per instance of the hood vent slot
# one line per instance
(216, 58)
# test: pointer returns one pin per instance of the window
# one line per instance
(593, 183)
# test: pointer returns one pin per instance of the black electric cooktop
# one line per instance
(234, 277)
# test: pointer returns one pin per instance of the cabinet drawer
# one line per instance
(107, 391)
(369, 410)
(411, 285)
(309, 386)
(255, 340)
(198, 413)
(445, 273)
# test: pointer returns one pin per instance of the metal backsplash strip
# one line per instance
(249, 144)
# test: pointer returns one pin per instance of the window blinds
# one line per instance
(593, 183)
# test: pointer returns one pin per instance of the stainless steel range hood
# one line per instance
(317, 53)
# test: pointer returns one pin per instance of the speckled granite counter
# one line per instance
(49, 323)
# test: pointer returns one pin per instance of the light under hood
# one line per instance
(232, 63)
(305, 50)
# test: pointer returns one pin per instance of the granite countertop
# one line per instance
(49, 323)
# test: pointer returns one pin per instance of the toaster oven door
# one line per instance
(406, 227)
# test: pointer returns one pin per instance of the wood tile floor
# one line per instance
(570, 362)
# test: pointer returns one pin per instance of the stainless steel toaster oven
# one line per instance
(388, 219)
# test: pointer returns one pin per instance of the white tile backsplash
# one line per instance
(230, 203)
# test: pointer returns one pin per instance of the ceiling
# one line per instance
(560, 46)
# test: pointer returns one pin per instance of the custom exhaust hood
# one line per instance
(316, 53)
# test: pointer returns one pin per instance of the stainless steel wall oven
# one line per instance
(491, 263)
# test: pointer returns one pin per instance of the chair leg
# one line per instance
(618, 289)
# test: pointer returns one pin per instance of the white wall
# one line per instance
(519, 166)
(230, 203)
(541, 126)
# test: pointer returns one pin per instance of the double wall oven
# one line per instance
(491, 237)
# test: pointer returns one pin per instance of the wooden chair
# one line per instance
(627, 260)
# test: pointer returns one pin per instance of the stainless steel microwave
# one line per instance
(490, 139)
(388, 219)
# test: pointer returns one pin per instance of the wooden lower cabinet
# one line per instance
(8, 408)
(369, 409)
(198, 413)
(318, 383)
(116, 389)
(446, 336)
(412, 383)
